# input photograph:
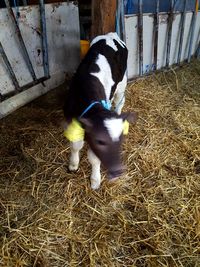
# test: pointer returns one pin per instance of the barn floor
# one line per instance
(151, 217)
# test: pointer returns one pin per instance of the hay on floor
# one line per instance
(151, 217)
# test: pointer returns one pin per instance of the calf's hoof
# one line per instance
(95, 184)
(73, 167)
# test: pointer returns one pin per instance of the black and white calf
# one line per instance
(100, 81)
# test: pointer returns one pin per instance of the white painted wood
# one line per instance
(162, 40)
(175, 39)
(196, 34)
(148, 44)
(132, 45)
(188, 20)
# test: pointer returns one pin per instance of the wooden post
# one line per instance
(103, 16)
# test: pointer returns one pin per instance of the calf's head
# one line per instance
(104, 135)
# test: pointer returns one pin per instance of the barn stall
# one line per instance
(150, 217)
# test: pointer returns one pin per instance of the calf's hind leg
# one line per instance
(74, 157)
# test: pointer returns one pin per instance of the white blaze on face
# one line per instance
(114, 127)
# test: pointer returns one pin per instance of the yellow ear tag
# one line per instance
(126, 127)
(74, 131)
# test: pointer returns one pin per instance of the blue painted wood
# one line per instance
(149, 6)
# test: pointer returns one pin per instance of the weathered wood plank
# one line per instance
(103, 16)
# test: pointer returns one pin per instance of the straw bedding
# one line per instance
(150, 217)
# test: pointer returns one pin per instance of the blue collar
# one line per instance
(106, 104)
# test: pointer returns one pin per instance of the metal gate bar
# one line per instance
(169, 37)
(156, 23)
(9, 68)
(119, 22)
(12, 75)
(140, 37)
(182, 23)
(198, 51)
(18, 88)
(44, 40)
(194, 17)
(21, 41)
(171, 23)
(23, 88)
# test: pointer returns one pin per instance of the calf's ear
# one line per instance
(131, 117)
(86, 124)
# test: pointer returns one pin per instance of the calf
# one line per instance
(99, 81)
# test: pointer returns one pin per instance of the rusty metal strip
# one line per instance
(140, 36)
(44, 39)
(26, 56)
(9, 68)
(169, 37)
(182, 23)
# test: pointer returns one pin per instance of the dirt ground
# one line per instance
(151, 217)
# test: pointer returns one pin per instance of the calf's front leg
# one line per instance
(95, 177)
(74, 157)
(119, 98)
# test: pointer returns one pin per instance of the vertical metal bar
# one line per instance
(44, 39)
(9, 68)
(198, 51)
(182, 23)
(26, 56)
(140, 36)
(169, 37)
(117, 19)
(193, 23)
(156, 26)
(16, 6)
(123, 34)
